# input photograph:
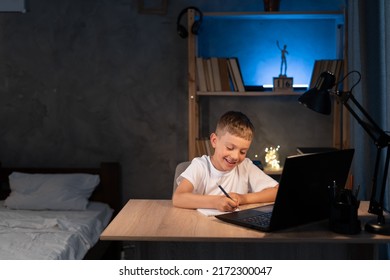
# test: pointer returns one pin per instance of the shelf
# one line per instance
(269, 171)
(336, 15)
(250, 93)
(222, 19)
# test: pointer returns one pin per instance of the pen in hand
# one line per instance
(225, 193)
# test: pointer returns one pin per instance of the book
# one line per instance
(209, 147)
(210, 74)
(233, 83)
(201, 79)
(216, 75)
(219, 74)
(332, 65)
(224, 74)
(203, 147)
(237, 73)
(206, 74)
(315, 73)
(200, 149)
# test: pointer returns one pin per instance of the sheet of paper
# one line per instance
(211, 212)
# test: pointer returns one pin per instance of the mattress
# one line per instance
(51, 235)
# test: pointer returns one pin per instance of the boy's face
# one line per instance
(230, 150)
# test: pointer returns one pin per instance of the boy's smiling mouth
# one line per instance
(230, 161)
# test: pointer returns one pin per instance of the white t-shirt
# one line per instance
(244, 178)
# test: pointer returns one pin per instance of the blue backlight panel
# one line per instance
(253, 42)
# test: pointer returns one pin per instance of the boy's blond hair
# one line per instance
(236, 123)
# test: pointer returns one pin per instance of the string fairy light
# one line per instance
(272, 157)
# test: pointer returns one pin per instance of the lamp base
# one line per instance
(378, 227)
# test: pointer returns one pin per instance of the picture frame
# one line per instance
(156, 7)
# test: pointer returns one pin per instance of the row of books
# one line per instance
(219, 74)
(203, 147)
(334, 66)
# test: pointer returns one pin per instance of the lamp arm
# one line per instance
(382, 140)
(318, 99)
(376, 206)
(385, 172)
(380, 137)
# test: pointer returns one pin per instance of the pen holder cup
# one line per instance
(344, 213)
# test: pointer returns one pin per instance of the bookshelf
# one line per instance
(249, 93)
(195, 94)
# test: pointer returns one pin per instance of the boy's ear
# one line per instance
(213, 139)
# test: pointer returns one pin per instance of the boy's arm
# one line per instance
(266, 195)
(183, 197)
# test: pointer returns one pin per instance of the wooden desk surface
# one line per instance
(158, 220)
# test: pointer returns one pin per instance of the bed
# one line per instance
(58, 213)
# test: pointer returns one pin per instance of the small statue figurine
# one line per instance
(284, 60)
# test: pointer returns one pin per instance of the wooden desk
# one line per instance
(158, 220)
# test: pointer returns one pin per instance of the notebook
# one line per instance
(303, 195)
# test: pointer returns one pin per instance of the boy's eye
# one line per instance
(230, 148)
(243, 152)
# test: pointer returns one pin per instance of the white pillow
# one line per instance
(50, 191)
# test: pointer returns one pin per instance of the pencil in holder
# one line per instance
(344, 212)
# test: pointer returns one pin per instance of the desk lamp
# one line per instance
(318, 99)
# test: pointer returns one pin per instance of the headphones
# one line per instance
(181, 30)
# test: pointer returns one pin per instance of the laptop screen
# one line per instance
(304, 185)
(303, 195)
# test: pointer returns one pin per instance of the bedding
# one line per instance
(29, 234)
(58, 213)
(50, 191)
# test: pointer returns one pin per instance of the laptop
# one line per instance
(312, 150)
(303, 195)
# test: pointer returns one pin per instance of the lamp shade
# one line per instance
(318, 97)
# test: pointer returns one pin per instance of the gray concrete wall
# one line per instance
(88, 81)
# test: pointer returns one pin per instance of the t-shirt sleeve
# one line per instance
(195, 173)
(258, 180)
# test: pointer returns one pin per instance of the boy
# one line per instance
(229, 168)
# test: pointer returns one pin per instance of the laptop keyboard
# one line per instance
(261, 220)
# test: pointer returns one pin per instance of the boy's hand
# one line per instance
(226, 204)
(237, 197)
